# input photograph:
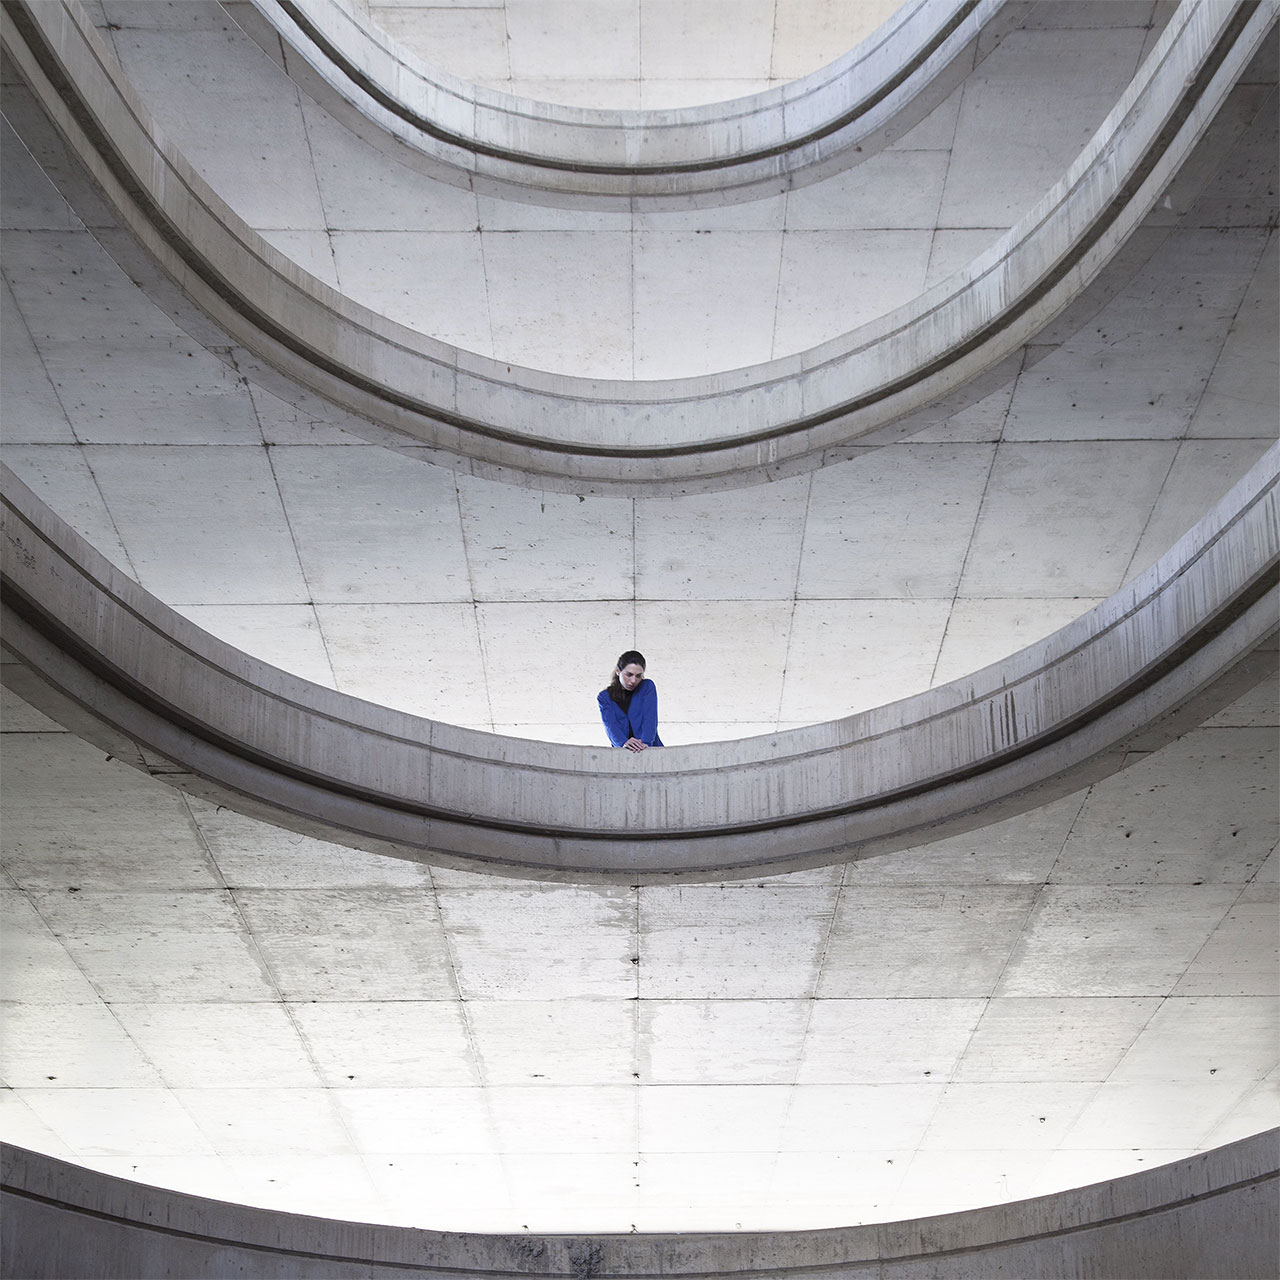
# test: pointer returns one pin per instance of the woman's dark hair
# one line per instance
(620, 695)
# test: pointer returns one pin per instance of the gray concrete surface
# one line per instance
(1213, 1215)
(238, 1012)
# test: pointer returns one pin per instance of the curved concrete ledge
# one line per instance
(562, 432)
(1213, 1214)
(114, 664)
(460, 132)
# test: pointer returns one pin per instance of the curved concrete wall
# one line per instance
(836, 117)
(125, 671)
(571, 433)
(1215, 1214)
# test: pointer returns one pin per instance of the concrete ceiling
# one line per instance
(629, 54)
(200, 1001)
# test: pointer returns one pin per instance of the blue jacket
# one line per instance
(640, 720)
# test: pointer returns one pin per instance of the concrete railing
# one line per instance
(111, 662)
(487, 140)
(1213, 1214)
(581, 435)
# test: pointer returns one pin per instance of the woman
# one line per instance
(629, 706)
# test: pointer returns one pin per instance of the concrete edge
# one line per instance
(171, 1227)
(98, 653)
(569, 433)
(840, 115)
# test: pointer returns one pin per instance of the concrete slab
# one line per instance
(1140, 942)
(876, 1041)
(43, 1049)
(57, 780)
(391, 1044)
(380, 944)
(562, 942)
(737, 943)
(554, 1042)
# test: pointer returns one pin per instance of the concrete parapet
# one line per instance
(460, 132)
(583, 435)
(111, 662)
(1214, 1214)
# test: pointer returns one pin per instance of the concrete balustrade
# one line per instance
(838, 116)
(1213, 1214)
(582, 435)
(111, 662)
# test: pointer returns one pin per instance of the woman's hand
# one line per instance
(634, 744)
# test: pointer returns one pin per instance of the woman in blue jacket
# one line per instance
(629, 706)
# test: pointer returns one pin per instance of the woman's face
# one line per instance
(630, 676)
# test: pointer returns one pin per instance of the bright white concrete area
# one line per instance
(204, 1003)
(630, 54)
(612, 293)
(199, 1001)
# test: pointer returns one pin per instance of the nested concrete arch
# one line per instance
(99, 653)
(700, 432)
(837, 116)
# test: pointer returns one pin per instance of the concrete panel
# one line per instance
(403, 1121)
(737, 545)
(37, 968)
(1231, 1039)
(999, 118)
(686, 1042)
(739, 943)
(103, 1121)
(586, 639)
(565, 38)
(834, 281)
(863, 641)
(1242, 955)
(45, 1049)
(114, 830)
(270, 185)
(226, 541)
(62, 476)
(253, 855)
(354, 513)
(1024, 1039)
(879, 1041)
(895, 525)
(286, 1124)
(560, 1042)
(852, 1120)
(674, 44)
(1140, 831)
(561, 1121)
(360, 196)
(681, 330)
(526, 545)
(166, 946)
(1140, 941)
(1022, 547)
(39, 417)
(431, 281)
(562, 300)
(1028, 1116)
(542, 942)
(286, 635)
(396, 1044)
(422, 658)
(1202, 472)
(728, 1118)
(200, 1047)
(379, 944)
(980, 631)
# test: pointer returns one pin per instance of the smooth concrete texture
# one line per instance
(198, 1001)
(241, 1012)
(781, 412)
(834, 117)
(113, 663)
(1215, 1214)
